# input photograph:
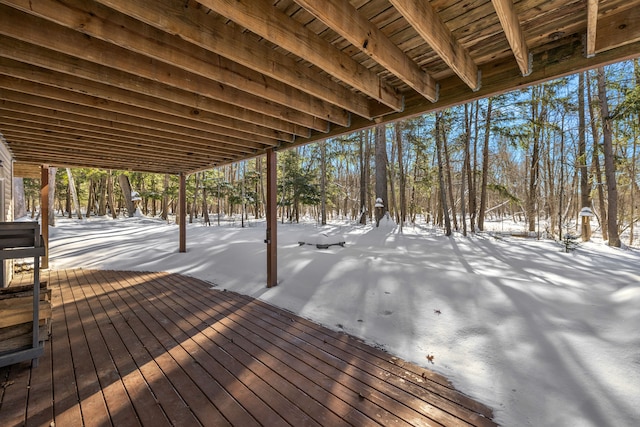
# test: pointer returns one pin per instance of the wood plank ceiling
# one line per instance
(183, 85)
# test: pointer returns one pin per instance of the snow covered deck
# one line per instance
(164, 349)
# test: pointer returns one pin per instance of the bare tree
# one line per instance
(448, 170)
(125, 185)
(364, 166)
(636, 70)
(194, 205)
(471, 172)
(585, 191)
(485, 167)
(52, 195)
(538, 117)
(381, 171)
(609, 165)
(401, 175)
(323, 182)
(596, 166)
(443, 197)
(74, 195)
(165, 198)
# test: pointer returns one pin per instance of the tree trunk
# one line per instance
(561, 185)
(443, 197)
(412, 203)
(367, 171)
(466, 168)
(102, 201)
(363, 179)
(258, 188)
(636, 69)
(90, 201)
(550, 196)
(110, 196)
(485, 167)
(194, 204)
(609, 165)
(402, 180)
(154, 190)
(632, 191)
(67, 208)
(19, 208)
(537, 116)
(125, 185)
(243, 197)
(381, 172)
(205, 207)
(165, 198)
(391, 177)
(463, 210)
(596, 166)
(452, 200)
(74, 194)
(473, 184)
(585, 198)
(52, 195)
(323, 183)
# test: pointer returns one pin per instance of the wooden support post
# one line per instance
(182, 210)
(272, 223)
(44, 213)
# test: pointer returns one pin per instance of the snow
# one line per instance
(544, 337)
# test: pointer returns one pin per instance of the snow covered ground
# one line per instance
(546, 338)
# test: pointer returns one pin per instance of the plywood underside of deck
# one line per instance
(154, 349)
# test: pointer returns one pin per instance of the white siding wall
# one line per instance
(6, 197)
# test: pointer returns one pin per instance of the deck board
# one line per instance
(154, 349)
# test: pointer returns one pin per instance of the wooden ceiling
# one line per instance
(183, 85)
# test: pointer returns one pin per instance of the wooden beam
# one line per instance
(513, 31)
(177, 17)
(182, 211)
(25, 170)
(263, 19)
(347, 21)
(619, 29)
(164, 60)
(592, 24)
(421, 15)
(272, 221)
(44, 213)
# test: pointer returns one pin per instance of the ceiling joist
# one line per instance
(261, 18)
(618, 29)
(343, 18)
(115, 54)
(512, 30)
(232, 43)
(120, 96)
(425, 20)
(592, 25)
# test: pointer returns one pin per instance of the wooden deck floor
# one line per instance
(154, 349)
